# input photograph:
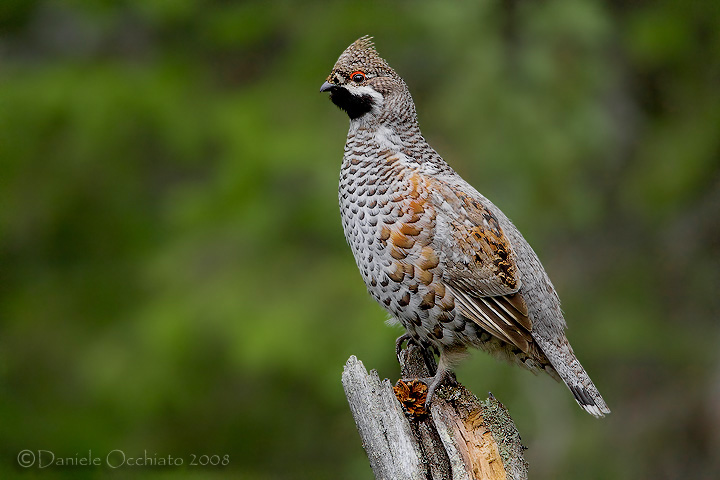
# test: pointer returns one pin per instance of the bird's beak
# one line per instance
(327, 86)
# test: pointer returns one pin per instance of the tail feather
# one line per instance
(589, 399)
(572, 373)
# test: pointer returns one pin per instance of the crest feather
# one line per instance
(365, 43)
(362, 55)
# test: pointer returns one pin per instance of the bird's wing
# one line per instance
(480, 266)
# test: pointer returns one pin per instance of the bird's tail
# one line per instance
(570, 371)
(587, 396)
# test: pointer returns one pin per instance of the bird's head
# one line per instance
(362, 83)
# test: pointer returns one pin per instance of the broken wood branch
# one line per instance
(462, 437)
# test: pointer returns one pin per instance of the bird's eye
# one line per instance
(358, 77)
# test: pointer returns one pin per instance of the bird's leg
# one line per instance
(443, 370)
(398, 343)
(428, 366)
(427, 351)
(443, 373)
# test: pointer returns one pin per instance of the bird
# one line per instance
(441, 258)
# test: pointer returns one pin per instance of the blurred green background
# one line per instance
(173, 274)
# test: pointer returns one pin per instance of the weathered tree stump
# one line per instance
(461, 438)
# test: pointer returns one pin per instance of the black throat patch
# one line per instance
(354, 105)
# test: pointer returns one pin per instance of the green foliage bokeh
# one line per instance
(173, 274)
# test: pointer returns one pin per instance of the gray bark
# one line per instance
(461, 439)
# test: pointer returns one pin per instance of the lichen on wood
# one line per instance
(462, 437)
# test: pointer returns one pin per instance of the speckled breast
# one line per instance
(390, 225)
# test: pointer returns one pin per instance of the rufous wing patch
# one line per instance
(480, 269)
